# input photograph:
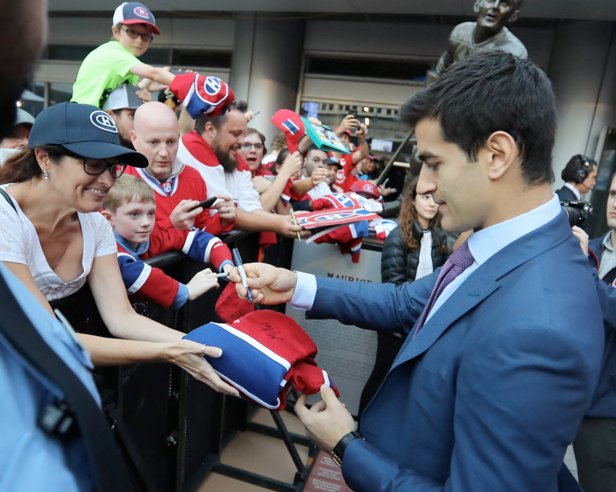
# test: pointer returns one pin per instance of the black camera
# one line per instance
(577, 211)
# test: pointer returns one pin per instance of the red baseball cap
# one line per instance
(290, 123)
(367, 188)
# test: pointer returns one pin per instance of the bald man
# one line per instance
(178, 188)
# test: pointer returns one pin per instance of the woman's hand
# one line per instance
(191, 357)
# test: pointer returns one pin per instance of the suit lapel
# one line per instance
(471, 293)
(481, 283)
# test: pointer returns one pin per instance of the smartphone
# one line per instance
(205, 203)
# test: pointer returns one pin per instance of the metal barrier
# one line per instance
(167, 423)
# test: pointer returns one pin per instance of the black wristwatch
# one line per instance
(338, 451)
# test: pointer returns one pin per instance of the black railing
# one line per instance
(168, 424)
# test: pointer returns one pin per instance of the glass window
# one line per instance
(201, 58)
(68, 52)
(33, 98)
(60, 93)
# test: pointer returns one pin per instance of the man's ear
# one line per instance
(503, 153)
(210, 131)
(513, 17)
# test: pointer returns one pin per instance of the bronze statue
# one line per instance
(488, 33)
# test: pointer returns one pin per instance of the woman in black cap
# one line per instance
(54, 239)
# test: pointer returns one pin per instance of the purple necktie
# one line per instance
(457, 262)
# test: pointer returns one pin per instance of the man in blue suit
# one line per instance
(488, 392)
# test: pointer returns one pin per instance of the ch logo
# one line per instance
(212, 85)
(103, 121)
(141, 12)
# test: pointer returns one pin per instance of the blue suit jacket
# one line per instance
(604, 400)
(565, 194)
(489, 393)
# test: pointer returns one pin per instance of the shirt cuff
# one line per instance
(181, 297)
(305, 291)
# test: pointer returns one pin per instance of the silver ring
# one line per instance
(203, 350)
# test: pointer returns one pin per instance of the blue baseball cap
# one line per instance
(135, 13)
(84, 130)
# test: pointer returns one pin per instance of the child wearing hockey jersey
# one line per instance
(130, 207)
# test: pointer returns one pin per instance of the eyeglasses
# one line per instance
(145, 36)
(96, 167)
(256, 146)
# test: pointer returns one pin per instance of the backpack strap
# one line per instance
(7, 197)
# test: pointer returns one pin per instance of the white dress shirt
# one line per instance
(482, 244)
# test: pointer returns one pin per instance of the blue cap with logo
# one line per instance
(135, 13)
(84, 130)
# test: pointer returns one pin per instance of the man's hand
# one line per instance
(291, 165)
(201, 282)
(144, 94)
(226, 209)
(386, 191)
(183, 217)
(582, 237)
(362, 132)
(269, 284)
(349, 122)
(327, 421)
(319, 175)
(287, 227)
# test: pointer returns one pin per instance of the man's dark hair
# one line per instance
(217, 121)
(17, 62)
(490, 92)
(578, 168)
(202, 119)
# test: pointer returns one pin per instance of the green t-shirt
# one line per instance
(104, 69)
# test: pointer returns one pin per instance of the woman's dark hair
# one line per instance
(408, 218)
(23, 165)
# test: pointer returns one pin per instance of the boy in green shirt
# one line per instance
(116, 62)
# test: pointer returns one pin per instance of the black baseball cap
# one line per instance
(84, 130)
